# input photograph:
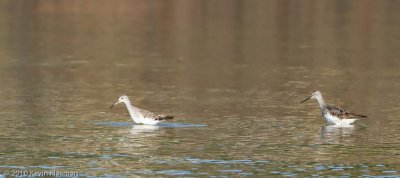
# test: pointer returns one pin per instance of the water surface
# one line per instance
(233, 71)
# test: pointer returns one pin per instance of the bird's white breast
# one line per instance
(331, 119)
(149, 121)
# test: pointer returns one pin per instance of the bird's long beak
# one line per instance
(113, 105)
(305, 99)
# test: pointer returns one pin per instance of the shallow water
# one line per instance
(232, 72)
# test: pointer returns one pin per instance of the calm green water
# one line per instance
(232, 72)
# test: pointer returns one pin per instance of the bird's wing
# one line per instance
(342, 113)
(148, 114)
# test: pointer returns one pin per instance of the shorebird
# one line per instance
(141, 116)
(332, 114)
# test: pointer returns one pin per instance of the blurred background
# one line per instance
(234, 69)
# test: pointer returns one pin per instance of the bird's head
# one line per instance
(314, 95)
(121, 99)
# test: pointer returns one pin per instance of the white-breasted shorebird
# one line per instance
(332, 114)
(141, 116)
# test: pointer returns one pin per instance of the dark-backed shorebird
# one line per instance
(332, 114)
(141, 116)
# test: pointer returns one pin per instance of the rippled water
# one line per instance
(232, 72)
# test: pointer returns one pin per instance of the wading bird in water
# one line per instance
(332, 114)
(141, 116)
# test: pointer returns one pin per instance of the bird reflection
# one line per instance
(336, 133)
(142, 129)
(139, 136)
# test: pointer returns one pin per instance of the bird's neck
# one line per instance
(321, 102)
(133, 112)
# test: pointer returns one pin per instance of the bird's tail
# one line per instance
(361, 116)
(165, 117)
